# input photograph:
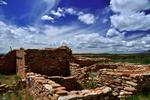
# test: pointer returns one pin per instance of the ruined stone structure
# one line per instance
(8, 63)
(50, 61)
(123, 79)
(84, 61)
(53, 74)
(43, 88)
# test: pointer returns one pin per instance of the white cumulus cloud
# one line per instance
(46, 17)
(83, 40)
(127, 6)
(87, 18)
(58, 13)
(112, 32)
(131, 22)
(30, 36)
(71, 11)
(130, 15)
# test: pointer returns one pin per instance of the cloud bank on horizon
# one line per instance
(87, 26)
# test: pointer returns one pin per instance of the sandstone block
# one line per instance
(131, 83)
(69, 97)
(106, 90)
(89, 96)
(115, 93)
(62, 92)
(130, 89)
(59, 88)
(55, 85)
(2, 85)
(49, 87)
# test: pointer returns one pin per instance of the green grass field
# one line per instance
(9, 79)
(15, 95)
(130, 58)
(139, 97)
(18, 93)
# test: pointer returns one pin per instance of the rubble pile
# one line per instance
(13, 87)
(3, 88)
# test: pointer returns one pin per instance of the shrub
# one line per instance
(90, 84)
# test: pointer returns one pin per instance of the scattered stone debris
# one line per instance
(10, 88)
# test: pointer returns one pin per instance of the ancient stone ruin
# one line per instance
(51, 62)
(54, 74)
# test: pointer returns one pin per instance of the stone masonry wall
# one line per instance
(85, 61)
(124, 79)
(52, 62)
(69, 82)
(41, 88)
(8, 63)
(123, 83)
(20, 63)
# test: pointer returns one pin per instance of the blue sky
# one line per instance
(86, 26)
